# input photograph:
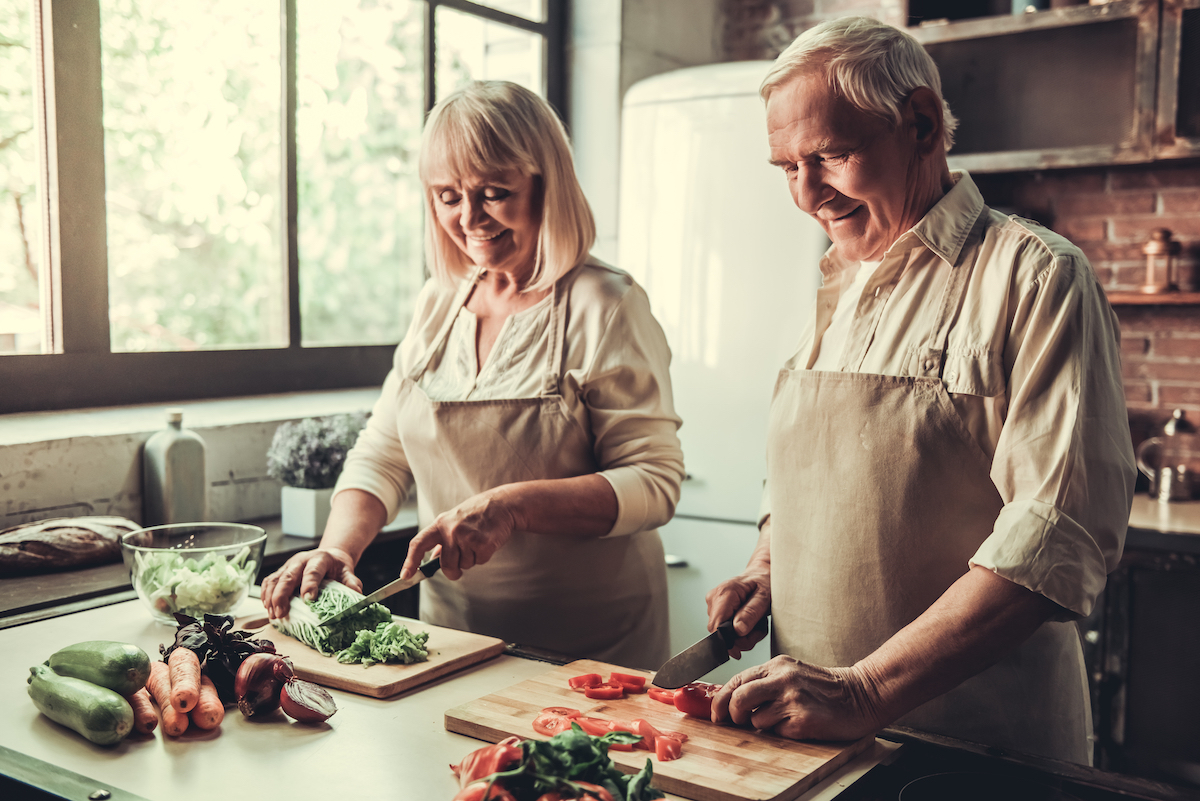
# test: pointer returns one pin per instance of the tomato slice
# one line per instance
(666, 696)
(586, 680)
(565, 711)
(627, 678)
(605, 692)
(593, 726)
(551, 724)
(667, 748)
(696, 699)
(674, 735)
(648, 732)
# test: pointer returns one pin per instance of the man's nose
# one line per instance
(811, 190)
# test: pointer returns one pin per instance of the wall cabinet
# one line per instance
(1088, 85)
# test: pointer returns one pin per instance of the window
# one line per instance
(237, 209)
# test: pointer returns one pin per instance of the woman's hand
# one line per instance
(468, 535)
(800, 701)
(306, 570)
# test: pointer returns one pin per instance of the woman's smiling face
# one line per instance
(494, 219)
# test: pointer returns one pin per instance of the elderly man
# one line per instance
(949, 462)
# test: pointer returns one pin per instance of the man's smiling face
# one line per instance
(851, 171)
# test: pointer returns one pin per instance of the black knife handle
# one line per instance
(728, 635)
(431, 567)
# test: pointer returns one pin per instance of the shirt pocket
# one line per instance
(970, 371)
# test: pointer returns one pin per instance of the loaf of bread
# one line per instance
(62, 543)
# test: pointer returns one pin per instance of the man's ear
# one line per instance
(924, 112)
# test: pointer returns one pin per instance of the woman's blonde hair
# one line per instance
(489, 127)
(873, 65)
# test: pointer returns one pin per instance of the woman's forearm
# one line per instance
(583, 506)
(355, 518)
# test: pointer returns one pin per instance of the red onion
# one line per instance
(256, 686)
(306, 702)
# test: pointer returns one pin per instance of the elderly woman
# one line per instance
(529, 406)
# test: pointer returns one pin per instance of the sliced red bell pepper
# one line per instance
(696, 699)
(666, 696)
(586, 680)
(667, 748)
(605, 692)
(627, 678)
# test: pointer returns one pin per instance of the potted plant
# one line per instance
(307, 456)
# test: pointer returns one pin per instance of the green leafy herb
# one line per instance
(389, 642)
(571, 757)
(220, 649)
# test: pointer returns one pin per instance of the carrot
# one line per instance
(145, 718)
(174, 722)
(209, 711)
(185, 679)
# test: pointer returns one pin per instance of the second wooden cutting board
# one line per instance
(449, 650)
(719, 763)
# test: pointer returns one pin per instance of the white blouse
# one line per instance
(615, 381)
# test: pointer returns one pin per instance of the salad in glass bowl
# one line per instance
(193, 568)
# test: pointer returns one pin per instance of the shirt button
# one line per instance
(929, 364)
(952, 377)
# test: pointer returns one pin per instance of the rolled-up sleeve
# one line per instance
(627, 392)
(1064, 461)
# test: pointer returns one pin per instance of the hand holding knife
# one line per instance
(706, 655)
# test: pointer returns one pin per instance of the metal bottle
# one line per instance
(174, 487)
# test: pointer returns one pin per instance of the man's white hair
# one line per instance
(875, 66)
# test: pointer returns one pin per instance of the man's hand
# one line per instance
(746, 599)
(799, 701)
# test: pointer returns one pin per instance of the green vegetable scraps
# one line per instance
(575, 756)
(194, 587)
(369, 636)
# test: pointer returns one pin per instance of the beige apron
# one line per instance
(879, 497)
(601, 598)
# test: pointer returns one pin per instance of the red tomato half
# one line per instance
(696, 699)
(586, 680)
(605, 692)
(666, 696)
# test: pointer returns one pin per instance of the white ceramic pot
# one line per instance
(304, 511)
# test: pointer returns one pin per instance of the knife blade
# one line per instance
(706, 655)
(391, 588)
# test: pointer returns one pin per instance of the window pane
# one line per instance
(21, 219)
(192, 173)
(360, 103)
(470, 48)
(529, 9)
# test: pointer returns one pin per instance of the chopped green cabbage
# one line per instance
(213, 584)
(368, 636)
(389, 642)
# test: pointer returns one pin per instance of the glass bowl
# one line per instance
(193, 568)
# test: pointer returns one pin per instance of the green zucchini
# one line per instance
(119, 666)
(96, 712)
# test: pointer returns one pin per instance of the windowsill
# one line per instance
(33, 427)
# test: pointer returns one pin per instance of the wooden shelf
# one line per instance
(1156, 299)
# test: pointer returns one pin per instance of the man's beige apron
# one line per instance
(600, 598)
(879, 497)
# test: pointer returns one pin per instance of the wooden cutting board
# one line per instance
(719, 763)
(449, 650)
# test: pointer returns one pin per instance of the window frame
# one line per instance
(81, 370)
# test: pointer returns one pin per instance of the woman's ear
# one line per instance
(924, 109)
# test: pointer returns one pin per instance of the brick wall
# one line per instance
(1108, 212)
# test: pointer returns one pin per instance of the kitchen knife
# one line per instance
(423, 572)
(694, 661)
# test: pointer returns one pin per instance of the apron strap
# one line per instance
(559, 308)
(460, 300)
(933, 355)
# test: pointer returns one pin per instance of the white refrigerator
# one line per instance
(708, 227)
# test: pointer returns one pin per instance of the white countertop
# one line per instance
(1175, 517)
(390, 749)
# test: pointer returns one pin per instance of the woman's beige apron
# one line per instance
(879, 497)
(601, 598)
